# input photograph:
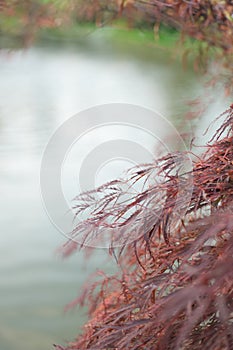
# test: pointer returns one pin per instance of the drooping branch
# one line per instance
(175, 293)
(211, 21)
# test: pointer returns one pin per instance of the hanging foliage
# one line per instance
(175, 285)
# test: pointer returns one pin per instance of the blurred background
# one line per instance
(58, 58)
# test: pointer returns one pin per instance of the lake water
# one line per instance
(41, 88)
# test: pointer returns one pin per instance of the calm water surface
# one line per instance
(39, 89)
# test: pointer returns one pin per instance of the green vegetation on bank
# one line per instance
(113, 36)
(118, 31)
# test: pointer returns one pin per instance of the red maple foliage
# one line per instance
(175, 288)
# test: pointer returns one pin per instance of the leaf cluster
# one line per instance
(174, 288)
